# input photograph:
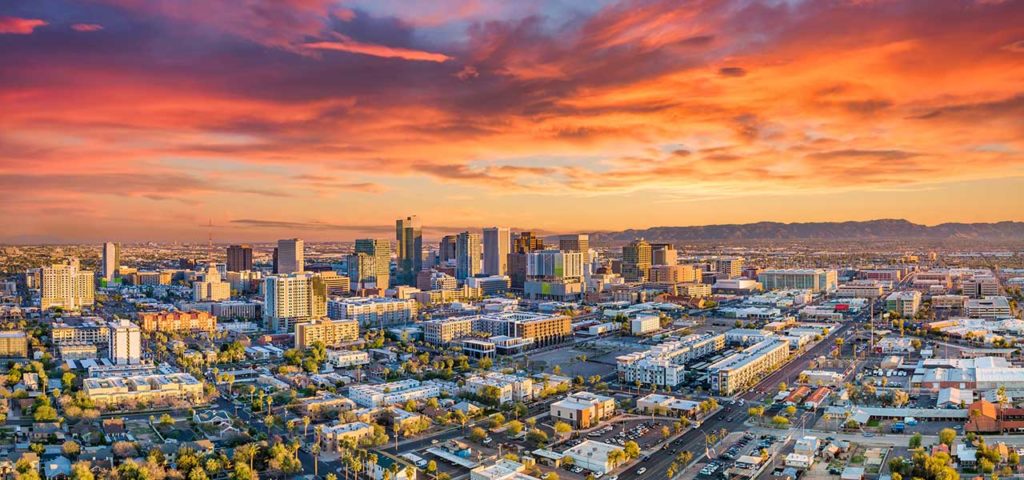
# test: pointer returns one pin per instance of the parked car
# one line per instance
(641, 471)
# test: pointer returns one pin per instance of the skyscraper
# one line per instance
(663, 254)
(380, 250)
(497, 242)
(446, 249)
(527, 242)
(577, 242)
(64, 285)
(239, 258)
(111, 259)
(467, 255)
(523, 244)
(291, 256)
(409, 235)
(636, 260)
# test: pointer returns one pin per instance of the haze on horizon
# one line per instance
(139, 120)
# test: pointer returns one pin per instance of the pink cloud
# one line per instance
(20, 26)
(383, 51)
(87, 27)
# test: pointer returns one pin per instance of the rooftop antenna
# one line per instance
(209, 241)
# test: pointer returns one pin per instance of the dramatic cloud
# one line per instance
(19, 26)
(310, 114)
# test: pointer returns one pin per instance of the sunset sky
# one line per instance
(139, 120)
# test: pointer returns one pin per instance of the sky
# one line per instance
(143, 120)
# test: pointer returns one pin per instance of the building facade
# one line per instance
(293, 298)
(177, 321)
(409, 244)
(239, 258)
(65, 286)
(330, 332)
(291, 256)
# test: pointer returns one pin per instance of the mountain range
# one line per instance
(884, 229)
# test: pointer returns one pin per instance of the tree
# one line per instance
(71, 449)
(552, 476)
(514, 427)
(915, 441)
(81, 471)
(665, 432)
(486, 363)
(632, 449)
(562, 428)
(477, 434)
(783, 387)
(432, 467)
(166, 421)
(780, 421)
(790, 410)
(537, 436)
(947, 435)
(900, 398)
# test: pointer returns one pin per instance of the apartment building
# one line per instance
(665, 364)
(13, 343)
(816, 280)
(583, 409)
(335, 438)
(125, 343)
(347, 358)
(65, 286)
(394, 392)
(177, 321)
(861, 289)
(740, 370)
(88, 330)
(291, 299)
(330, 332)
(541, 329)
(373, 311)
(510, 388)
(110, 391)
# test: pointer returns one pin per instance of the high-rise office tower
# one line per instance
(636, 260)
(446, 249)
(527, 242)
(579, 242)
(125, 343)
(290, 299)
(554, 274)
(467, 255)
(380, 250)
(663, 254)
(239, 258)
(731, 267)
(522, 244)
(362, 271)
(64, 285)
(409, 234)
(497, 242)
(111, 259)
(291, 257)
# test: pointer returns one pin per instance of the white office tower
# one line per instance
(290, 256)
(125, 343)
(111, 260)
(497, 245)
(64, 285)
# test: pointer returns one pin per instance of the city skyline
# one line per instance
(137, 121)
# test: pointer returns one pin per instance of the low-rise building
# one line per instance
(665, 364)
(347, 358)
(665, 404)
(375, 311)
(988, 307)
(329, 332)
(503, 469)
(334, 438)
(393, 392)
(593, 456)
(177, 321)
(506, 388)
(905, 303)
(109, 391)
(583, 409)
(644, 324)
(740, 370)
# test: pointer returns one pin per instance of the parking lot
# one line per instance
(733, 447)
(645, 432)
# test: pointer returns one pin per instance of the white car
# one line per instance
(641, 471)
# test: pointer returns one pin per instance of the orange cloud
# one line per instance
(19, 26)
(87, 27)
(382, 51)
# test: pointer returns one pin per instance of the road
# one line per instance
(731, 417)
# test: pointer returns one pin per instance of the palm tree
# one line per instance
(315, 450)
(305, 425)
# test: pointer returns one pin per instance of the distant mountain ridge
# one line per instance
(885, 229)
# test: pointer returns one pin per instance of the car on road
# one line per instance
(869, 434)
(433, 442)
(487, 441)
(641, 471)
